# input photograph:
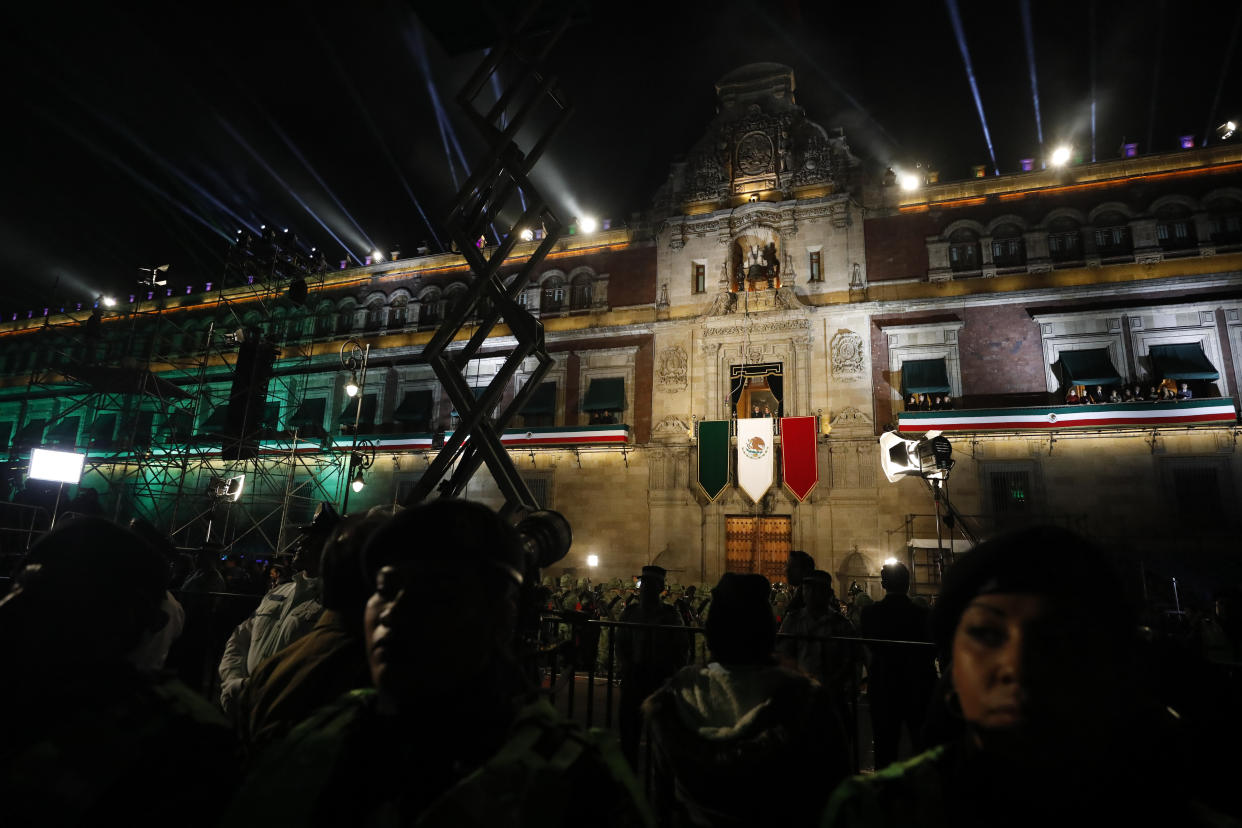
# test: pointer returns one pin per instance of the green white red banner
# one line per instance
(756, 469)
(713, 473)
(799, 465)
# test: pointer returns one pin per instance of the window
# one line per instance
(345, 320)
(375, 315)
(1196, 489)
(431, 311)
(540, 489)
(553, 298)
(1007, 247)
(1011, 492)
(1227, 229)
(963, 250)
(1112, 234)
(398, 312)
(580, 292)
(1174, 229)
(814, 268)
(698, 281)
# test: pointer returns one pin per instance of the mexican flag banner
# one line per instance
(799, 468)
(713, 457)
(755, 469)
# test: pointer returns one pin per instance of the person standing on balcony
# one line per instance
(1184, 393)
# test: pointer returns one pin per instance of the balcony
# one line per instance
(1211, 411)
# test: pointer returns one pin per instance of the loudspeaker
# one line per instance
(243, 419)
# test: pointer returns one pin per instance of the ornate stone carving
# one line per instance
(847, 353)
(754, 154)
(850, 417)
(672, 370)
(759, 327)
(724, 303)
(672, 429)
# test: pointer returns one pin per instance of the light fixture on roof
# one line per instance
(527, 234)
(1226, 130)
(109, 301)
(1060, 156)
(908, 181)
(153, 279)
(377, 256)
(588, 224)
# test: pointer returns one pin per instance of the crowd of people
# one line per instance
(1125, 393)
(386, 682)
(929, 402)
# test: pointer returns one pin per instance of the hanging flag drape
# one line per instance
(713, 457)
(799, 467)
(755, 466)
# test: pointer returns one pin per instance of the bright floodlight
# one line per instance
(1060, 156)
(890, 561)
(592, 560)
(109, 301)
(527, 234)
(587, 224)
(909, 181)
(56, 466)
(377, 256)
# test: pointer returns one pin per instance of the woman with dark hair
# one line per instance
(1036, 643)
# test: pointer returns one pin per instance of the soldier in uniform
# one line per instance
(447, 735)
(647, 657)
(284, 615)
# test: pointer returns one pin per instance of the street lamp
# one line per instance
(362, 457)
(354, 357)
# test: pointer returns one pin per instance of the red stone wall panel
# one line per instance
(1001, 351)
(896, 246)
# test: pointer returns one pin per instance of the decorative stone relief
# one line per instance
(672, 370)
(847, 354)
(761, 327)
(850, 417)
(672, 429)
(724, 303)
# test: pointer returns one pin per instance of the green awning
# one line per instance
(1088, 367)
(367, 415)
(415, 407)
(543, 401)
(924, 376)
(478, 391)
(1184, 361)
(605, 394)
(308, 415)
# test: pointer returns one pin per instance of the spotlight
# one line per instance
(1226, 130)
(226, 489)
(909, 181)
(890, 561)
(1060, 156)
(588, 224)
(527, 234)
(592, 560)
(358, 483)
(109, 301)
(377, 256)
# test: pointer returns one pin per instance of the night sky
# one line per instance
(141, 138)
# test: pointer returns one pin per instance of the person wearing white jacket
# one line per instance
(284, 615)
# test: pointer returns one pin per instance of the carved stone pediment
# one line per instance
(733, 332)
(672, 429)
(851, 419)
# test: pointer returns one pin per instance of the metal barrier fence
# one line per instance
(576, 647)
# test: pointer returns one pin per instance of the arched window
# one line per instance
(552, 297)
(398, 312)
(431, 311)
(375, 314)
(964, 250)
(1064, 240)
(1112, 234)
(278, 327)
(1008, 249)
(345, 318)
(1175, 228)
(454, 295)
(325, 319)
(580, 292)
(1226, 221)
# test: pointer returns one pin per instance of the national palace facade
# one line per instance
(776, 274)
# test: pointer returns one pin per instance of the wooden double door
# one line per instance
(758, 544)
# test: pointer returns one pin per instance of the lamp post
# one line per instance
(354, 357)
